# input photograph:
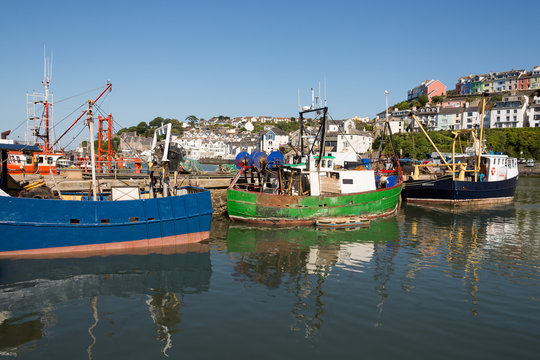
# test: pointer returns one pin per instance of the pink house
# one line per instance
(453, 103)
(429, 87)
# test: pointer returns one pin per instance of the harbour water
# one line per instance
(427, 283)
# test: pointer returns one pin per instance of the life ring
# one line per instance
(492, 171)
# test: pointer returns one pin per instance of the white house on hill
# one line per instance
(272, 139)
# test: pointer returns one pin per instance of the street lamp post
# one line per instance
(386, 109)
(386, 95)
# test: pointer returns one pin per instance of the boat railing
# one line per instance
(456, 167)
(117, 166)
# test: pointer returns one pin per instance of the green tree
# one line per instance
(192, 120)
(141, 128)
(288, 126)
(423, 99)
(437, 99)
(156, 122)
(257, 128)
(404, 105)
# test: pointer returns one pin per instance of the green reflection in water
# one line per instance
(250, 239)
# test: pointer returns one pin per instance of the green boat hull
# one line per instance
(263, 208)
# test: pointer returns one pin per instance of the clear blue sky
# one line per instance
(209, 58)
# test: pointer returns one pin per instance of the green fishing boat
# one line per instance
(268, 191)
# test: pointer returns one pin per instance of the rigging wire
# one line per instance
(85, 92)
(76, 136)
(59, 122)
(18, 126)
(100, 110)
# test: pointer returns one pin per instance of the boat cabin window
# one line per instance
(40, 160)
(74, 221)
(347, 181)
(329, 163)
(29, 160)
(334, 175)
(49, 160)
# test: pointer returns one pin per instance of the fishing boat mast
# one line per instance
(41, 126)
(477, 163)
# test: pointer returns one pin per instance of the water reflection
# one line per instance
(469, 240)
(412, 280)
(31, 290)
(301, 259)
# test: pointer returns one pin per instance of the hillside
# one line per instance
(518, 142)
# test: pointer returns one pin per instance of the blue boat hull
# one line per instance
(446, 190)
(37, 226)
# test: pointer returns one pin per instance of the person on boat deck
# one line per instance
(483, 169)
(35, 159)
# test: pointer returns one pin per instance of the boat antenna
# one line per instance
(50, 66)
(47, 68)
(319, 101)
(325, 103)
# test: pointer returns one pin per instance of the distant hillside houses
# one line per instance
(494, 82)
(513, 111)
(225, 142)
(215, 143)
(244, 121)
